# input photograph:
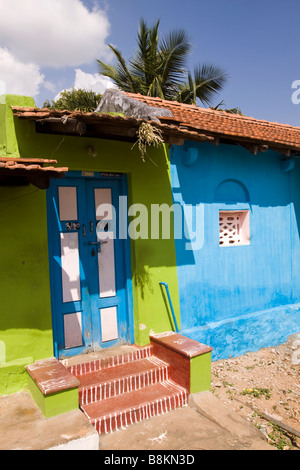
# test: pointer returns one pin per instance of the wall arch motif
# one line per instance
(231, 191)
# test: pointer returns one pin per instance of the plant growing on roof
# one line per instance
(75, 100)
(148, 135)
(159, 69)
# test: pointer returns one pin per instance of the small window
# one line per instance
(234, 228)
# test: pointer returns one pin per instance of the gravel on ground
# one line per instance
(264, 387)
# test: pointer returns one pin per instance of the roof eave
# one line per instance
(31, 170)
(116, 127)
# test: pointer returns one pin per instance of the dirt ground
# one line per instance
(267, 381)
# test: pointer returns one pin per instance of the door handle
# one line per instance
(99, 243)
(96, 243)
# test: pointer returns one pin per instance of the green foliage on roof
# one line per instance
(75, 100)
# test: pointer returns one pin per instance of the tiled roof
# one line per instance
(189, 122)
(29, 171)
(29, 165)
(224, 124)
(115, 122)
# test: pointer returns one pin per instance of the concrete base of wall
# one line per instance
(251, 332)
(24, 427)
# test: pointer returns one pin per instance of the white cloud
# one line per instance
(53, 33)
(17, 77)
(91, 82)
(49, 86)
(94, 82)
(2, 87)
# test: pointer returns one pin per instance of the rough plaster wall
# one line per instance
(24, 274)
(222, 289)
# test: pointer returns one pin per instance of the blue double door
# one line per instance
(89, 264)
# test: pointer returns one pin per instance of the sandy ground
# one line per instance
(267, 381)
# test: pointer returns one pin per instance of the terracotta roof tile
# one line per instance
(63, 116)
(225, 124)
(27, 164)
(190, 122)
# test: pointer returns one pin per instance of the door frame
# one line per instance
(54, 280)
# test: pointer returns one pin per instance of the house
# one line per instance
(99, 246)
(40, 319)
(239, 279)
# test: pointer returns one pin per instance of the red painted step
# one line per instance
(109, 361)
(127, 377)
(117, 391)
(129, 408)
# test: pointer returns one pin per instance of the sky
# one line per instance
(50, 45)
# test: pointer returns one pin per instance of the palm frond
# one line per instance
(120, 74)
(156, 88)
(175, 49)
(222, 107)
(145, 64)
(159, 68)
(209, 80)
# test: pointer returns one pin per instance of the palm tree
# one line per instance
(220, 107)
(206, 82)
(158, 69)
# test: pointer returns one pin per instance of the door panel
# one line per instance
(106, 267)
(70, 267)
(87, 265)
(103, 203)
(109, 324)
(67, 203)
(73, 330)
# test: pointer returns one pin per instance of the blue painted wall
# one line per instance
(238, 298)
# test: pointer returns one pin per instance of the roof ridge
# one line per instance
(220, 112)
(189, 121)
(170, 103)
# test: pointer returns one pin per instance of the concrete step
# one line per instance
(127, 377)
(126, 387)
(104, 362)
(129, 408)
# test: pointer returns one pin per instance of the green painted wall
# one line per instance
(200, 369)
(8, 141)
(25, 318)
(55, 403)
(148, 183)
(25, 314)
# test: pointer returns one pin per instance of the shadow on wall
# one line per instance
(229, 174)
(229, 177)
(231, 191)
(224, 281)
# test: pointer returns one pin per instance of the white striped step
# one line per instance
(129, 408)
(109, 361)
(127, 377)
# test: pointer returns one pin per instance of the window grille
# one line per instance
(234, 228)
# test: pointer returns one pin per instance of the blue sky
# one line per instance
(256, 42)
